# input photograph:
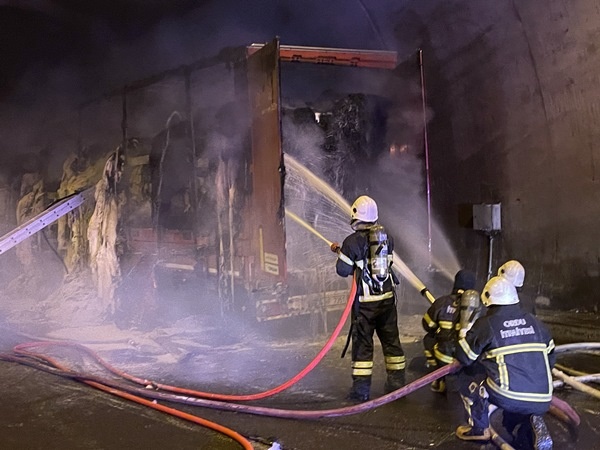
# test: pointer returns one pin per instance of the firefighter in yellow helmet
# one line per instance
(366, 254)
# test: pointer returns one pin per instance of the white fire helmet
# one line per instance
(499, 291)
(513, 271)
(364, 209)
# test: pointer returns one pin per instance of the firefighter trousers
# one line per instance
(477, 398)
(381, 318)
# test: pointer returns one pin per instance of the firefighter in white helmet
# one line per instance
(516, 353)
(366, 254)
(514, 272)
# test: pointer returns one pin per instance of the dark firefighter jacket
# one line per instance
(441, 320)
(353, 256)
(516, 350)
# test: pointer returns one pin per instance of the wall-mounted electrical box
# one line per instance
(486, 217)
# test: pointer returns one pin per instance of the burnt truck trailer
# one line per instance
(202, 224)
(218, 186)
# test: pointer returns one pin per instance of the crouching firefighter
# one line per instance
(442, 322)
(366, 254)
(516, 352)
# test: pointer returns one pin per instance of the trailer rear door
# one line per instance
(267, 211)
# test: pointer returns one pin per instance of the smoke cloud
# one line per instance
(48, 114)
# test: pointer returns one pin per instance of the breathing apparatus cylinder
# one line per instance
(470, 310)
(378, 257)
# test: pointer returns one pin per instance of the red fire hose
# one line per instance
(23, 349)
(52, 366)
(221, 401)
(122, 391)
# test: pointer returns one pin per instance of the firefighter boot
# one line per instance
(395, 380)
(533, 434)
(541, 437)
(469, 433)
(439, 386)
(361, 389)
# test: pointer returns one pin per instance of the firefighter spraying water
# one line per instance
(366, 255)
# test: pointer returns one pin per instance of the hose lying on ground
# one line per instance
(587, 378)
(569, 414)
(569, 371)
(23, 355)
(578, 346)
(576, 384)
(52, 366)
(564, 410)
(558, 407)
(24, 349)
(582, 346)
(496, 438)
(122, 391)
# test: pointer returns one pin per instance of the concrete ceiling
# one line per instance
(38, 34)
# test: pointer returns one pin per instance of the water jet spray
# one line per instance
(306, 225)
(331, 194)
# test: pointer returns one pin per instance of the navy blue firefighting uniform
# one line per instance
(371, 312)
(440, 322)
(516, 352)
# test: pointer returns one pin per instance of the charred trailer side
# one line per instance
(203, 225)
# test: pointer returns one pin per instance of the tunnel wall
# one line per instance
(515, 105)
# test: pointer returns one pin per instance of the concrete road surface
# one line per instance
(39, 410)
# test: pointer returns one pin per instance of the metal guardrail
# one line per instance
(44, 219)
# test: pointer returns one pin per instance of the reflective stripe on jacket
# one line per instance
(516, 350)
(442, 318)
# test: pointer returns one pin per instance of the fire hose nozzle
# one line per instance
(428, 295)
